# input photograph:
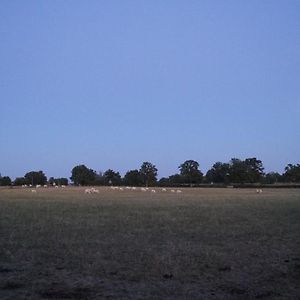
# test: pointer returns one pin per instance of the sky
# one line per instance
(111, 84)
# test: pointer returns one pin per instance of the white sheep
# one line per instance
(153, 191)
(163, 190)
(178, 191)
(33, 191)
(94, 190)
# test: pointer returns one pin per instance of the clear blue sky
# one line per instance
(111, 84)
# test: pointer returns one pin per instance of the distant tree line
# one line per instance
(236, 171)
(33, 178)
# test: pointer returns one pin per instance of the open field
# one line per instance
(199, 244)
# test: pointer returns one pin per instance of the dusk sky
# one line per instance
(111, 84)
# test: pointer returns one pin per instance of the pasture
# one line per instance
(198, 244)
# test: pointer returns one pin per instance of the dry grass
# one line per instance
(200, 244)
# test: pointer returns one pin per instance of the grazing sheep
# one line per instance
(259, 191)
(172, 191)
(33, 191)
(143, 190)
(164, 190)
(45, 185)
(178, 191)
(153, 191)
(87, 191)
(91, 191)
(63, 186)
(38, 186)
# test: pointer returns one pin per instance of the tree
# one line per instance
(148, 173)
(255, 169)
(58, 181)
(219, 173)
(133, 178)
(5, 181)
(190, 172)
(35, 177)
(272, 177)
(99, 179)
(20, 181)
(112, 177)
(164, 181)
(51, 181)
(176, 179)
(81, 175)
(292, 173)
(248, 171)
(237, 171)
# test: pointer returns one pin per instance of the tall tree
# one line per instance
(35, 177)
(237, 171)
(292, 173)
(112, 177)
(249, 170)
(272, 177)
(148, 173)
(219, 173)
(81, 175)
(20, 181)
(133, 178)
(190, 171)
(5, 181)
(176, 179)
(255, 169)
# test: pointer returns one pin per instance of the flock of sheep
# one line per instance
(96, 191)
(40, 186)
(143, 189)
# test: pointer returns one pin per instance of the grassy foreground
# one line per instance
(199, 244)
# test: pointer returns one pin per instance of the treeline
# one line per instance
(33, 178)
(236, 171)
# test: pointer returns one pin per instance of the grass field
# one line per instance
(200, 244)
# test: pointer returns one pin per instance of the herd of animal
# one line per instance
(93, 190)
(144, 189)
